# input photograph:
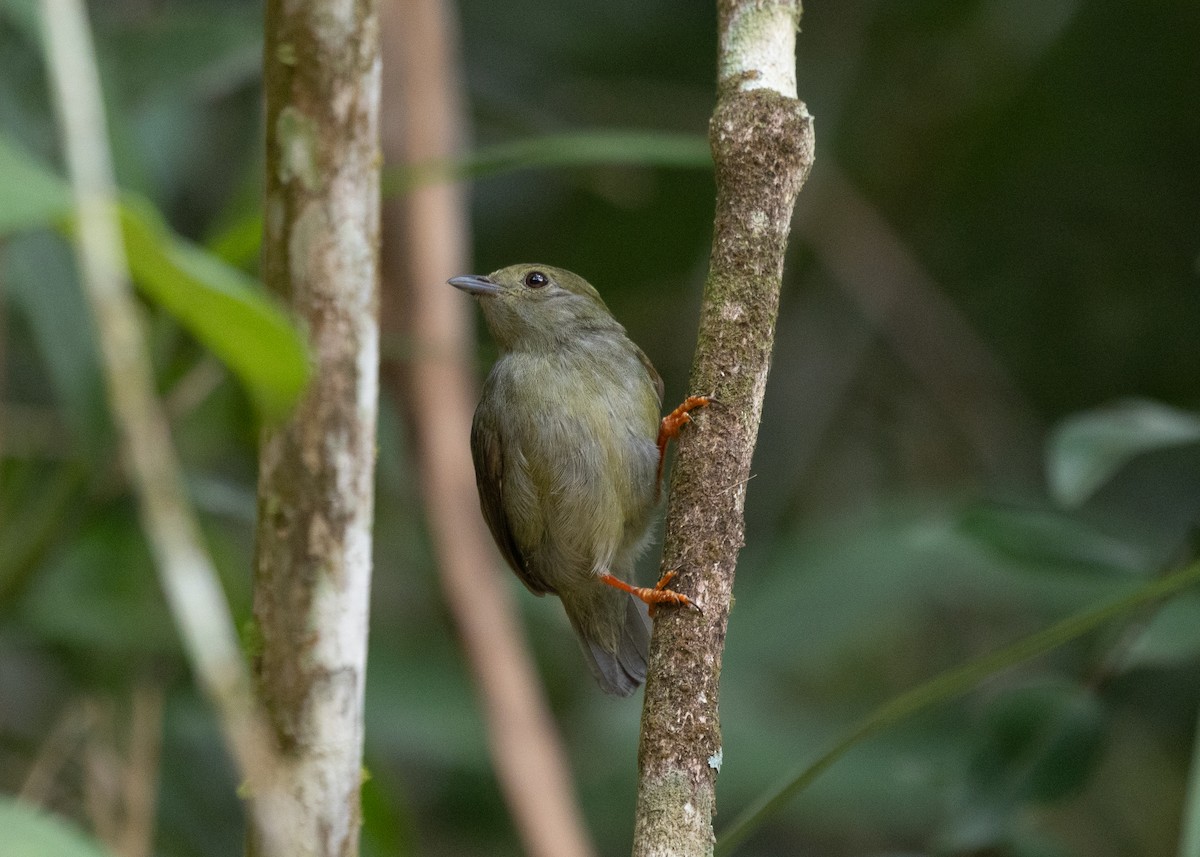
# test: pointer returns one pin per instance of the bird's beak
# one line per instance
(475, 285)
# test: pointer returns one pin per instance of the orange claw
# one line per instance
(669, 428)
(655, 596)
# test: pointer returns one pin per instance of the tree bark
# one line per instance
(762, 143)
(316, 498)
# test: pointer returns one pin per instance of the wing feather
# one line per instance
(487, 452)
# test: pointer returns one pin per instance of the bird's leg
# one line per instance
(658, 594)
(669, 428)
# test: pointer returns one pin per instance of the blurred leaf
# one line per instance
(100, 593)
(950, 685)
(240, 241)
(38, 519)
(30, 832)
(387, 824)
(1172, 637)
(24, 16)
(1036, 744)
(40, 281)
(986, 835)
(34, 197)
(222, 307)
(1043, 537)
(1086, 451)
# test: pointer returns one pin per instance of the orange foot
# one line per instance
(656, 596)
(670, 426)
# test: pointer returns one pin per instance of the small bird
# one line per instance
(568, 449)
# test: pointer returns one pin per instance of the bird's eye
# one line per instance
(536, 279)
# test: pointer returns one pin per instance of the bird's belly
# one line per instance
(592, 481)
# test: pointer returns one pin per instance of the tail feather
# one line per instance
(614, 633)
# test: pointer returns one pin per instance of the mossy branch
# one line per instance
(762, 143)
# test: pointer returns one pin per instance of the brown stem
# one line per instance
(762, 144)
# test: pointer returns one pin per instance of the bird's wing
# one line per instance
(488, 455)
(655, 378)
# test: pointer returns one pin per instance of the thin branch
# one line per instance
(316, 472)
(186, 572)
(426, 232)
(762, 143)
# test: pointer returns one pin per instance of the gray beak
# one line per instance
(474, 284)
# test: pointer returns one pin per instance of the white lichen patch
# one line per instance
(296, 137)
(306, 245)
(334, 25)
(714, 761)
(760, 48)
(732, 311)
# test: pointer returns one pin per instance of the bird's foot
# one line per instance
(656, 595)
(672, 423)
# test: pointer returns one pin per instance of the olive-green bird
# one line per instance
(568, 447)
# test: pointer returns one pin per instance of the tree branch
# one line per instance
(762, 143)
(316, 472)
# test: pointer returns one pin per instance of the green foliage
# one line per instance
(1087, 450)
(1036, 744)
(29, 832)
(34, 197)
(225, 309)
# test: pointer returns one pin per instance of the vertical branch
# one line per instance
(762, 143)
(427, 241)
(316, 498)
(186, 572)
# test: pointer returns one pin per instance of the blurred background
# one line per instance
(996, 262)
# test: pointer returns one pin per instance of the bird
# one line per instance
(568, 447)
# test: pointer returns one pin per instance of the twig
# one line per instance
(139, 785)
(69, 731)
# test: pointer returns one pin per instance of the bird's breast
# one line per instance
(580, 457)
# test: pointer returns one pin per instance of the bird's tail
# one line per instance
(614, 632)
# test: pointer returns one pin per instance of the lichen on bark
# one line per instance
(316, 499)
(762, 142)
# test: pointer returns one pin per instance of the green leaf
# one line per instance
(1171, 638)
(1044, 538)
(951, 685)
(34, 197)
(222, 307)
(1036, 744)
(30, 832)
(25, 17)
(1088, 449)
(99, 594)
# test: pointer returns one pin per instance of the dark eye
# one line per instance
(536, 279)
